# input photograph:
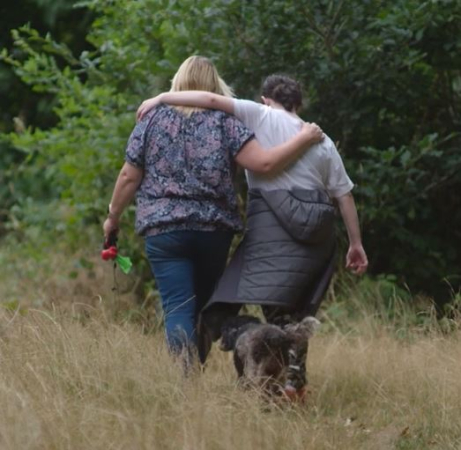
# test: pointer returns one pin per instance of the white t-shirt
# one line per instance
(320, 167)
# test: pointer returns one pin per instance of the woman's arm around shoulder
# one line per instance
(253, 157)
(199, 99)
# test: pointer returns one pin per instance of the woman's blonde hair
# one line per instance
(198, 73)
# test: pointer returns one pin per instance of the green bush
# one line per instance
(382, 78)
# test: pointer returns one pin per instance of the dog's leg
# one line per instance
(296, 373)
(300, 334)
(238, 363)
(296, 380)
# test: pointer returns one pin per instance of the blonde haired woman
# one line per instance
(180, 164)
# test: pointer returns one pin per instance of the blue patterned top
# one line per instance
(188, 165)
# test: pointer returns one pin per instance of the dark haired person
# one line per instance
(286, 259)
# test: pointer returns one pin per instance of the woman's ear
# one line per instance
(265, 100)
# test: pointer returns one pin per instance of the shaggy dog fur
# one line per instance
(261, 350)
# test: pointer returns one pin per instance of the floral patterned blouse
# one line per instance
(188, 165)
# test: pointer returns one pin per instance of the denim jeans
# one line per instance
(186, 266)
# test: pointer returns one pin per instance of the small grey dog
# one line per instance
(261, 351)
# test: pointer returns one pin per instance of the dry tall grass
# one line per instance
(65, 385)
(76, 378)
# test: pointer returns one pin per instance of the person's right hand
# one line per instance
(146, 106)
(312, 133)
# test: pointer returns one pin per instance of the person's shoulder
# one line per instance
(249, 104)
(276, 119)
(249, 109)
(211, 117)
(216, 113)
(160, 110)
(328, 143)
(164, 113)
(214, 118)
(222, 116)
(326, 146)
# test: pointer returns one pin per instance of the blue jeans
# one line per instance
(186, 266)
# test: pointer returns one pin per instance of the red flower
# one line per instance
(109, 253)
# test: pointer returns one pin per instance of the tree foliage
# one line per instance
(24, 106)
(383, 78)
(68, 25)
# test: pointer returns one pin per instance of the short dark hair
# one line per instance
(284, 90)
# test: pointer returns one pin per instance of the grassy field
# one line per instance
(76, 374)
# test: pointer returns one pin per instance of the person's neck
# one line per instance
(276, 105)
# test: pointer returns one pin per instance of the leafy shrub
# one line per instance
(383, 79)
